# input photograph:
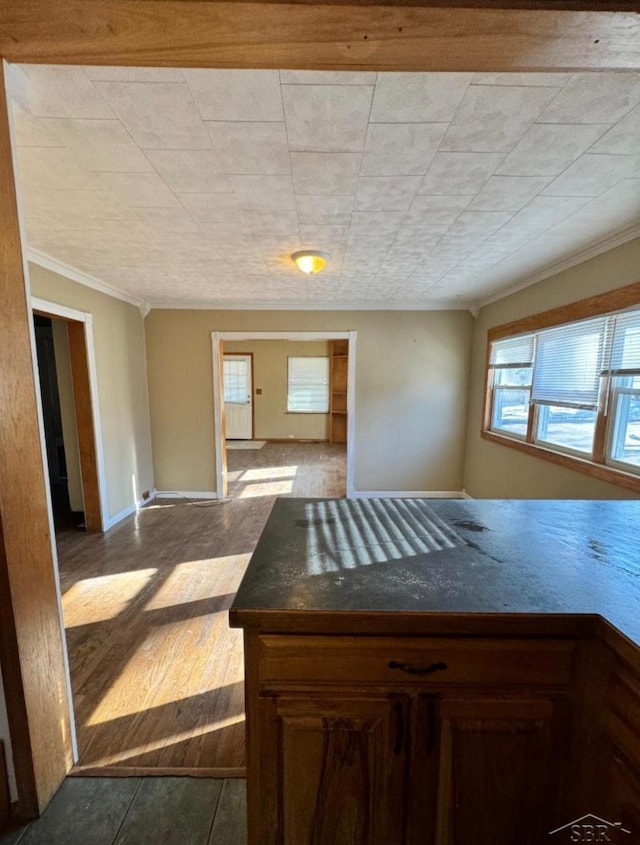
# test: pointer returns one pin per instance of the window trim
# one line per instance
(595, 466)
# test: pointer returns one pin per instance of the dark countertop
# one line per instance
(447, 556)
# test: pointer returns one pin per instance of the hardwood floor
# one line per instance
(156, 672)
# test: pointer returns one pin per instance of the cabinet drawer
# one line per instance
(412, 660)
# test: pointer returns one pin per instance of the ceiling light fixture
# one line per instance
(310, 261)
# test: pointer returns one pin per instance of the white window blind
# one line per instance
(513, 351)
(625, 348)
(568, 364)
(235, 381)
(308, 381)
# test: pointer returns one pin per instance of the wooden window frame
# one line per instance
(594, 466)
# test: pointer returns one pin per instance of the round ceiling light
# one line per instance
(310, 261)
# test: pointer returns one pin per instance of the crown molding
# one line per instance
(247, 305)
(62, 269)
(622, 237)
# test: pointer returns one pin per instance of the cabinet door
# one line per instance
(624, 795)
(498, 763)
(341, 769)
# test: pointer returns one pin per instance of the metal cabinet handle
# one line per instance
(397, 746)
(417, 670)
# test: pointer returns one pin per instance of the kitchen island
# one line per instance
(442, 671)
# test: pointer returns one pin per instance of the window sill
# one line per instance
(599, 471)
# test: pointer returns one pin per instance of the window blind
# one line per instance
(625, 347)
(308, 385)
(513, 351)
(568, 364)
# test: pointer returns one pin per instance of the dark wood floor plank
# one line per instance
(84, 811)
(230, 823)
(171, 811)
(156, 672)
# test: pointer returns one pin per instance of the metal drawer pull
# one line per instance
(417, 670)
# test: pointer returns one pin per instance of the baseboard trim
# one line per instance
(291, 440)
(186, 494)
(408, 494)
(123, 514)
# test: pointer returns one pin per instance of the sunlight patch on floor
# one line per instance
(119, 758)
(269, 473)
(104, 597)
(198, 580)
(161, 670)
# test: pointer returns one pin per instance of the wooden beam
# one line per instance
(346, 35)
(29, 597)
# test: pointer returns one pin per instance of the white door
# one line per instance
(237, 397)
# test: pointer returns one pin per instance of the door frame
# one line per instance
(253, 404)
(84, 377)
(217, 352)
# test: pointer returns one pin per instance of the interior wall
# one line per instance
(270, 361)
(67, 413)
(411, 392)
(118, 330)
(495, 471)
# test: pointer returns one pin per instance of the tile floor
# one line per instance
(140, 811)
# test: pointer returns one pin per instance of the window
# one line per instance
(571, 390)
(308, 386)
(235, 378)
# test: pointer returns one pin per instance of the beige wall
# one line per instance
(118, 330)
(270, 375)
(494, 471)
(411, 392)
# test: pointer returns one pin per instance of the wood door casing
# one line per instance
(342, 764)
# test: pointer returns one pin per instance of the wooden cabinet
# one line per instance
(363, 740)
(338, 394)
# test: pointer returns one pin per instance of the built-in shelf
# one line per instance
(338, 403)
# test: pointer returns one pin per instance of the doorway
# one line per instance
(347, 397)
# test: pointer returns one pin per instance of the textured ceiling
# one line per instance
(195, 186)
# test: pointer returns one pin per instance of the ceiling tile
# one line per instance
(546, 80)
(327, 118)
(99, 144)
(460, 173)
(216, 208)
(417, 97)
(323, 237)
(479, 223)
(264, 193)
(140, 190)
(376, 223)
(324, 209)
(590, 175)
(176, 220)
(436, 209)
(134, 74)
(252, 95)
(29, 131)
(548, 148)
(599, 97)
(493, 118)
(285, 222)
(251, 147)
(54, 168)
(508, 193)
(325, 173)
(144, 107)
(327, 77)
(57, 91)
(623, 138)
(545, 211)
(191, 171)
(386, 193)
(401, 149)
